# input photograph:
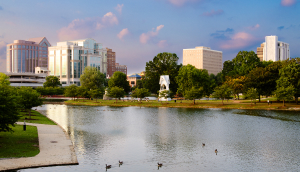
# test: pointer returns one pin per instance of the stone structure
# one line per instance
(164, 82)
(204, 58)
(273, 50)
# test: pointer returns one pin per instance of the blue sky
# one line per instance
(137, 30)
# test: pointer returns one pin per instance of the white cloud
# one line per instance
(239, 40)
(288, 2)
(84, 28)
(144, 37)
(162, 44)
(119, 8)
(181, 2)
(123, 33)
(213, 13)
(254, 27)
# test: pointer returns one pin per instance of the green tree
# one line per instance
(29, 98)
(164, 94)
(82, 92)
(162, 64)
(139, 84)
(194, 93)
(96, 93)
(119, 79)
(291, 74)
(284, 93)
(252, 94)
(9, 107)
(71, 91)
(189, 77)
(92, 78)
(52, 81)
(4, 79)
(116, 92)
(222, 92)
(141, 93)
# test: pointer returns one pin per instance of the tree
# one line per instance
(139, 84)
(236, 84)
(29, 98)
(222, 92)
(291, 74)
(82, 92)
(140, 93)
(96, 93)
(189, 77)
(164, 94)
(252, 94)
(194, 93)
(285, 93)
(71, 91)
(119, 79)
(52, 81)
(116, 92)
(4, 79)
(92, 78)
(162, 64)
(9, 107)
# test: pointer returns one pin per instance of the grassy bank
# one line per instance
(36, 118)
(23, 143)
(19, 143)
(231, 104)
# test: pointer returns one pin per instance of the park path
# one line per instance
(56, 148)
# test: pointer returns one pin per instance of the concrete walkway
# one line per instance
(56, 148)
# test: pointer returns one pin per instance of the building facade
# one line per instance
(68, 59)
(132, 79)
(273, 50)
(23, 56)
(121, 68)
(111, 62)
(203, 58)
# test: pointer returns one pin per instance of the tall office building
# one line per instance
(203, 58)
(273, 50)
(111, 62)
(68, 59)
(23, 56)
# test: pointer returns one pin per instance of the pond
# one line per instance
(246, 140)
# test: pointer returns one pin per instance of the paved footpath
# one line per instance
(56, 148)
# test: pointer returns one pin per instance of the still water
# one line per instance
(247, 140)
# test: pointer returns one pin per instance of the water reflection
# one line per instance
(142, 137)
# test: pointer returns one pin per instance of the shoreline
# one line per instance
(277, 107)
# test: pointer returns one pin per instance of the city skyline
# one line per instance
(139, 30)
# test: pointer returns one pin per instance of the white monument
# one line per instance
(164, 82)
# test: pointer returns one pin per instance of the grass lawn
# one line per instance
(36, 118)
(230, 104)
(19, 143)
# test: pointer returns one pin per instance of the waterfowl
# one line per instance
(108, 166)
(159, 164)
(216, 151)
(120, 162)
(203, 144)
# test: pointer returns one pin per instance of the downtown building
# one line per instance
(273, 50)
(204, 58)
(112, 66)
(68, 59)
(24, 56)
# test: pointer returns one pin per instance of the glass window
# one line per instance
(33, 47)
(27, 46)
(15, 46)
(19, 46)
(23, 46)
(64, 82)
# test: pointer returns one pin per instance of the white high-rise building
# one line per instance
(273, 50)
(68, 59)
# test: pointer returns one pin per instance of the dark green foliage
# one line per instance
(140, 93)
(92, 78)
(222, 92)
(29, 98)
(194, 93)
(71, 91)
(162, 64)
(52, 81)
(116, 92)
(119, 79)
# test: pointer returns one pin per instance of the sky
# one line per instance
(137, 30)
